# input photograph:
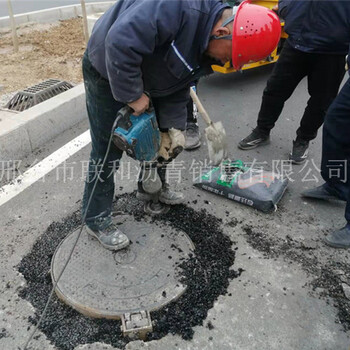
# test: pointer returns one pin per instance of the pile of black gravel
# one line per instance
(207, 275)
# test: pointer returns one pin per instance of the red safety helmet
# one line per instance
(255, 34)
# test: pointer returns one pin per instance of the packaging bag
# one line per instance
(256, 188)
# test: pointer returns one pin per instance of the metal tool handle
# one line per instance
(200, 107)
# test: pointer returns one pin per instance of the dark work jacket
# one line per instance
(155, 46)
(317, 26)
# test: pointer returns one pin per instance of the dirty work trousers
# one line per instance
(102, 109)
(324, 74)
(335, 166)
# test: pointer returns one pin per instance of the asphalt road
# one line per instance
(272, 306)
(21, 6)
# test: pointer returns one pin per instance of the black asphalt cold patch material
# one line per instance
(65, 327)
(207, 275)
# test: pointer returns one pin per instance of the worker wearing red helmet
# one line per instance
(252, 42)
(159, 47)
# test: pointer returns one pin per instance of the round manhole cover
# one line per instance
(145, 276)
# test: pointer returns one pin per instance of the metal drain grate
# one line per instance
(35, 94)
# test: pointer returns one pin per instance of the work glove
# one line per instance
(165, 145)
(172, 143)
(177, 138)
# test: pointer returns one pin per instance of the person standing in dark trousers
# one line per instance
(319, 35)
(335, 166)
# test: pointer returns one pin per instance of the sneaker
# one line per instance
(167, 196)
(108, 235)
(299, 152)
(192, 136)
(339, 239)
(255, 139)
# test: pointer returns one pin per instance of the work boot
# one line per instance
(254, 139)
(340, 238)
(108, 234)
(324, 192)
(168, 196)
(299, 152)
(192, 136)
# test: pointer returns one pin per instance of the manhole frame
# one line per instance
(92, 311)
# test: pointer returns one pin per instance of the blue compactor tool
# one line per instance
(138, 136)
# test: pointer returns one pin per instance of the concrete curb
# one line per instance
(56, 13)
(21, 133)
